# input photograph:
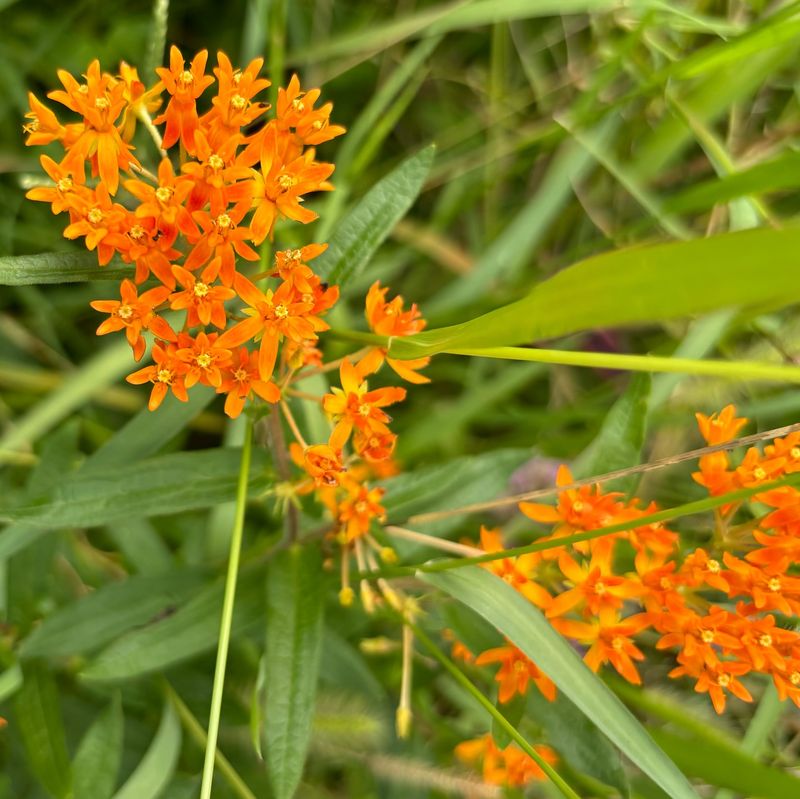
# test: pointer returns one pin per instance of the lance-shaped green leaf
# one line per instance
(182, 633)
(527, 628)
(635, 285)
(58, 267)
(99, 755)
(40, 726)
(371, 221)
(294, 646)
(97, 618)
(156, 768)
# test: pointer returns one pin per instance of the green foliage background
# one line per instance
(563, 130)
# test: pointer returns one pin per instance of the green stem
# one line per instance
(487, 705)
(227, 614)
(198, 734)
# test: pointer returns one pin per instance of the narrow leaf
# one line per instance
(156, 768)
(41, 728)
(58, 267)
(527, 628)
(99, 755)
(371, 221)
(294, 638)
(636, 285)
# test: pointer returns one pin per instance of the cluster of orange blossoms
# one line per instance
(725, 610)
(187, 230)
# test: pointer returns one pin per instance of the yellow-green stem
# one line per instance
(227, 614)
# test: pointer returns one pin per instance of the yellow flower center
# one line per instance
(224, 222)
(32, 126)
(215, 162)
(137, 233)
(707, 636)
(794, 678)
(102, 103)
(759, 473)
(713, 566)
(600, 588)
(317, 124)
(95, 216)
(724, 680)
(360, 507)
(520, 666)
(364, 409)
(186, 77)
(281, 311)
(238, 102)
(200, 289)
(65, 184)
(125, 312)
(578, 506)
(765, 639)
(298, 105)
(794, 453)
(617, 643)
(665, 583)
(286, 181)
(774, 584)
(164, 194)
(83, 89)
(294, 255)
(240, 375)
(164, 376)
(203, 360)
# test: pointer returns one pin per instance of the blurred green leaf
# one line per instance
(92, 621)
(189, 631)
(58, 267)
(99, 755)
(619, 443)
(726, 766)
(156, 768)
(364, 229)
(294, 646)
(38, 718)
(636, 285)
(523, 624)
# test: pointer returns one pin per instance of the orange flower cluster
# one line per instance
(723, 609)
(508, 767)
(233, 177)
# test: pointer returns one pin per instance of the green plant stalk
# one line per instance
(198, 734)
(668, 514)
(227, 614)
(489, 707)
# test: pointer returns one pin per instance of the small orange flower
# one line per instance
(241, 380)
(203, 357)
(296, 110)
(359, 508)
(323, 464)
(166, 374)
(516, 671)
(720, 428)
(135, 313)
(203, 301)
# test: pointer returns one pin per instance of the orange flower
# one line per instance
(353, 405)
(359, 508)
(203, 357)
(323, 464)
(222, 238)
(510, 766)
(137, 97)
(273, 316)
(134, 313)
(166, 374)
(241, 380)
(44, 126)
(97, 219)
(716, 681)
(296, 110)
(290, 265)
(99, 101)
(184, 86)
(516, 671)
(373, 446)
(203, 302)
(720, 428)
(59, 194)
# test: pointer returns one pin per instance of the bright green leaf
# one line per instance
(58, 267)
(294, 646)
(636, 285)
(156, 768)
(527, 628)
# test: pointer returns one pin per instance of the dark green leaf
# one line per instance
(94, 620)
(99, 755)
(38, 718)
(190, 630)
(294, 646)
(58, 267)
(371, 221)
(523, 624)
